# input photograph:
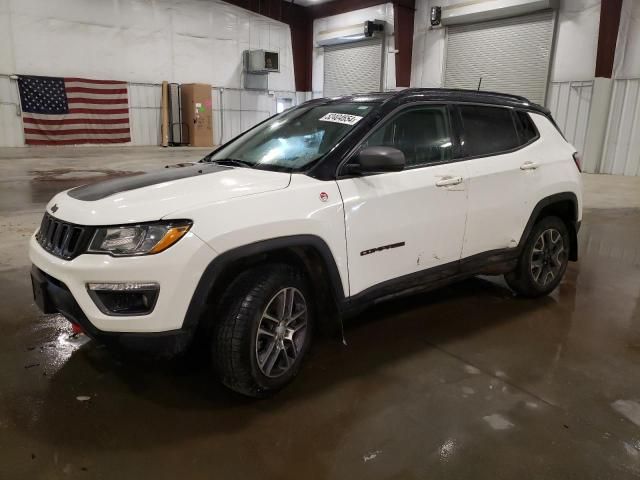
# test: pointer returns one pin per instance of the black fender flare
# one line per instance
(546, 202)
(220, 263)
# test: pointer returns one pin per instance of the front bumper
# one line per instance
(177, 270)
(53, 296)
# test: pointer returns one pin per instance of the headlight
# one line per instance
(144, 239)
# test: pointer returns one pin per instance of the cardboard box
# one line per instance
(197, 114)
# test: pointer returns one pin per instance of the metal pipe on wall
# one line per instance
(221, 115)
(165, 114)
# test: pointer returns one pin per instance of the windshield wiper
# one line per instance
(232, 162)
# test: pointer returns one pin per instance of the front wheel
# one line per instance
(264, 330)
(543, 260)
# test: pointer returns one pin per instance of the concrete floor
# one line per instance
(464, 382)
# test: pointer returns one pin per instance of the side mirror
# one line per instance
(378, 160)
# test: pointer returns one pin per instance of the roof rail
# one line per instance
(466, 91)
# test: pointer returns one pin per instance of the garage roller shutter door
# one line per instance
(352, 68)
(511, 55)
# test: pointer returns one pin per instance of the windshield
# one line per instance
(294, 139)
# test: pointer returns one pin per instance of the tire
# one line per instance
(543, 260)
(255, 350)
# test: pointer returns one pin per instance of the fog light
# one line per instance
(132, 298)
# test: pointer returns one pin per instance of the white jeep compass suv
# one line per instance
(309, 216)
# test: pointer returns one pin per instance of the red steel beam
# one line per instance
(403, 30)
(302, 47)
(607, 36)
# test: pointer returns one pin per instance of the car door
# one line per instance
(500, 175)
(402, 223)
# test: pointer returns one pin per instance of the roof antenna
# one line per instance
(479, 83)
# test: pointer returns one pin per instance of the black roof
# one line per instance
(436, 94)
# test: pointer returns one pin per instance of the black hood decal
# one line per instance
(100, 190)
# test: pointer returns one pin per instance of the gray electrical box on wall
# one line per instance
(257, 64)
(261, 61)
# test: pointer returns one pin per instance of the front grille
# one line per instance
(63, 239)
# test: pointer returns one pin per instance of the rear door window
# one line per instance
(487, 130)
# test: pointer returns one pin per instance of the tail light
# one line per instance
(577, 158)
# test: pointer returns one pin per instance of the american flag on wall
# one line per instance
(70, 111)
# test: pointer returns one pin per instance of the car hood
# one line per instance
(154, 195)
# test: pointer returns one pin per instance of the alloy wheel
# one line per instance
(281, 332)
(548, 257)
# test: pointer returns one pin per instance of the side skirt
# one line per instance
(495, 262)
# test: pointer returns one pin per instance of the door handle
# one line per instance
(448, 181)
(529, 166)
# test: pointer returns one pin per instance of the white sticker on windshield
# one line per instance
(341, 118)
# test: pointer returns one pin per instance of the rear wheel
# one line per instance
(264, 330)
(543, 260)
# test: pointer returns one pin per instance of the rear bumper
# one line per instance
(53, 296)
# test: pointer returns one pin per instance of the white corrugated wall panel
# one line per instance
(353, 68)
(216, 96)
(302, 97)
(235, 111)
(570, 103)
(511, 55)
(230, 125)
(145, 117)
(622, 142)
(11, 133)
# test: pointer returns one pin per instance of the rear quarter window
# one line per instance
(487, 130)
(526, 129)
